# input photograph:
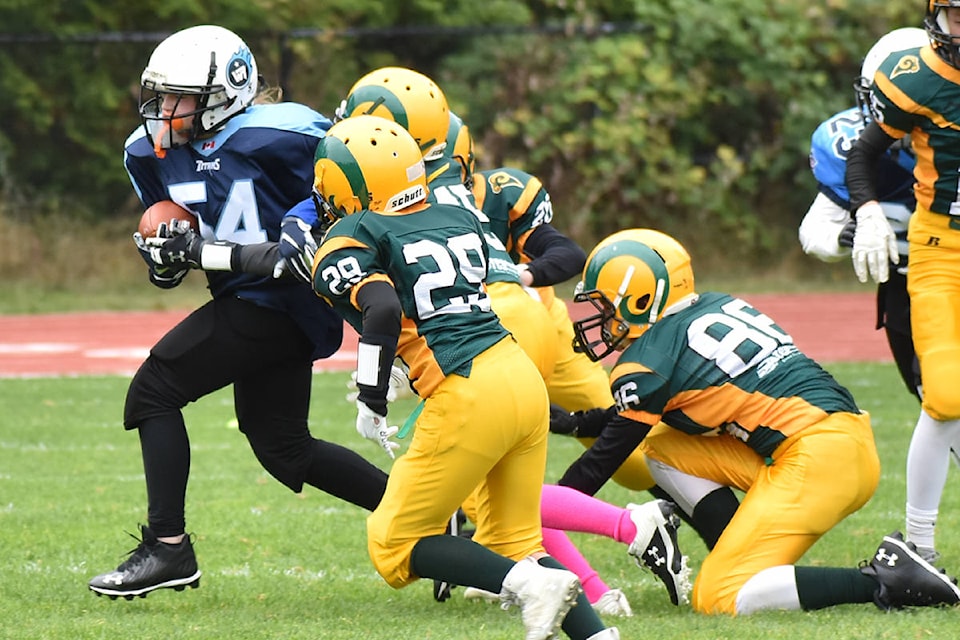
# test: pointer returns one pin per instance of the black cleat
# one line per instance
(907, 580)
(152, 565)
(655, 547)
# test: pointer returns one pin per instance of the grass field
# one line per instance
(279, 565)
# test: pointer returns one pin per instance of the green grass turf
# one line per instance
(279, 565)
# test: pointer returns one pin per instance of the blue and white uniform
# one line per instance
(258, 334)
(239, 184)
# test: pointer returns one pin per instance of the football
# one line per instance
(164, 211)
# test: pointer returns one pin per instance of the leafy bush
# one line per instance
(691, 117)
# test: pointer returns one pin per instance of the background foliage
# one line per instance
(692, 117)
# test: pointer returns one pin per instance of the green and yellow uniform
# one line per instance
(458, 354)
(918, 93)
(735, 401)
(516, 203)
(519, 311)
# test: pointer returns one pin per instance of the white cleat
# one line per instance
(655, 547)
(544, 595)
(613, 603)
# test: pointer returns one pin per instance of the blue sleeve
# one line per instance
(829, 146)
(306, 210)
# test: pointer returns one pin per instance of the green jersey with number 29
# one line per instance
(436, 259)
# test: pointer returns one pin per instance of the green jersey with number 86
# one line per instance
(722, 366)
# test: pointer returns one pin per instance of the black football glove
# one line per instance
(182, 251)
(165, 277)
(562, 421)
(297, 247)
(580, 424)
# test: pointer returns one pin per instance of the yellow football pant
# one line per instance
(473, 432)
(933, 282)
(817, 478)
(524, 317)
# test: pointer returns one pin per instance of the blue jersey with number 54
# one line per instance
(721, 365)
(240, 183)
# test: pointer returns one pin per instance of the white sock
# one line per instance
(686, 490)
(928, 461)
(773, 588)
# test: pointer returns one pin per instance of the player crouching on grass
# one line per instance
(780, 428)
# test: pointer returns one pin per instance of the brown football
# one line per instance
(164, 211)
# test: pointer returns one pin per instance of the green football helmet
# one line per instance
(631, 278)
(366, 163)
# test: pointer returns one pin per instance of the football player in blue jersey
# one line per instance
(238, 166)
(826, 230)
(916, 92)
(711, 386)
(408, 275)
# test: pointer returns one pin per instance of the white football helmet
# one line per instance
(896, 40)
(209, 62)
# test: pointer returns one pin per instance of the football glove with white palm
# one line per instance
(373, 426)
(874, 244)
(398, 386)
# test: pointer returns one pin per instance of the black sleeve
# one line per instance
(862, 164)
(615, 444)
(258, 259)
(381, 311)
(554, 258)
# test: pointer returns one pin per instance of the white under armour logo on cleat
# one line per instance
(890, 560)
(115, 578)
(658, 560)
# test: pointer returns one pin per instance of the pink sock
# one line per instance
(562, 549)
(567, 509)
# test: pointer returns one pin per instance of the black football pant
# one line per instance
(266, 357)
(893, 314)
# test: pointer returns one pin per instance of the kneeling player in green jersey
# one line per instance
(711, 386)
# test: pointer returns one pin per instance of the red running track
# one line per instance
(828, 327)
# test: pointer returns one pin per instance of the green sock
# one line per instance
(820, 587)
(459, 561)
(582, 621)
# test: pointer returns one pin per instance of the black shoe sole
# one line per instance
(142, 593)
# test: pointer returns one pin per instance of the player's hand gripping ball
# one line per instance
(163, 212)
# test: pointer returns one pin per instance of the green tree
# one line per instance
(692, 117)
